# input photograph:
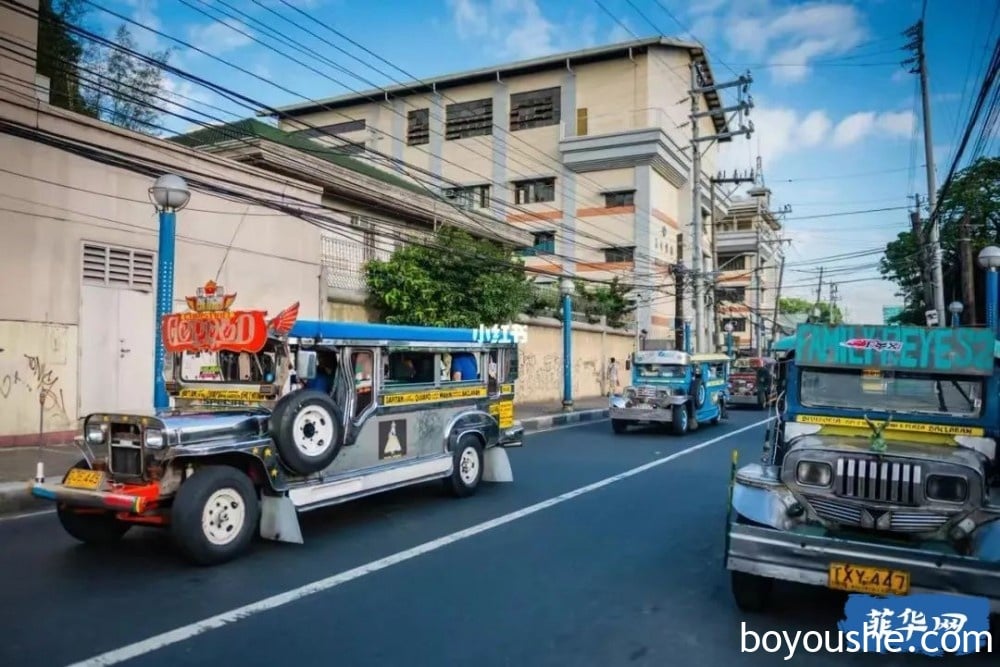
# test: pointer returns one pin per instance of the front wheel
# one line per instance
(89, 526)
(467, 471)
(679, 419)
(752, 593)
(215, 515)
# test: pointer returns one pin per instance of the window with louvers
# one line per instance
(418, 127)
(536, 108)
(113, 266)
(469, 119)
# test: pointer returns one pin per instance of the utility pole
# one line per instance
(916, 33)
(699, 88)
(736, 179)
(819, 294)
(834, 298)
(777, 301)
(922, 255)
(759, 299)
(968, 280)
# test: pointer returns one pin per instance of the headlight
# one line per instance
(96, 433)
(154, 439)
(813, 473)
(948, 488)
(630, 392)
(662, 393)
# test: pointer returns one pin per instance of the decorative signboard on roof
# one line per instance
(210, 325)
(964, 351)
(672, 357)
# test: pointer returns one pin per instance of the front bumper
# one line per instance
(805, 559)
(640, 415)
(512, 436)
(135, 501)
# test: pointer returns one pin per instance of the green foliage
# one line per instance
(60, 53)
(474, 282)
(976, 191)
(793, 305)
(593, 301)
(125, 90)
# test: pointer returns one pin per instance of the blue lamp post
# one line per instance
(687, 334)
(955, 308)
(729, 339)
(989, 259)
(169, 194)
(566, 288)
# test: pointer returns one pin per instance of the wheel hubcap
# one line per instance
(313, 431)
(468, 466)
(223, 517)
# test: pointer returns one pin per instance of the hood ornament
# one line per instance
(878, 443)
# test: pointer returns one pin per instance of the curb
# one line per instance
(16, 499)
(548, 421)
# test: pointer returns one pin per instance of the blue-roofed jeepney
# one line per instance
(275, 417)
(879, 474)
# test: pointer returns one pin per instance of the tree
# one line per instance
(794, 305)
(473, 282)
(124, 89)
(976, 191)
(60, 53)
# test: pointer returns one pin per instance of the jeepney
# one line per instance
(670, 386)
(879, 474)
(751, 382)
(275, 417)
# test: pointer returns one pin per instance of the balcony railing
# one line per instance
(344, 260)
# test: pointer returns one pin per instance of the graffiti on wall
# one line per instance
(30, 375)
(541, 375)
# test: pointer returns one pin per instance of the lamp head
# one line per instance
(170, 192)
(989, 257)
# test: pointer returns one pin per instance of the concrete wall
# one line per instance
(540, 373)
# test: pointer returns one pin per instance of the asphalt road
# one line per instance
(628, 572)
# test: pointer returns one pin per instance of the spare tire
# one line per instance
(307, 429)
(698, 393)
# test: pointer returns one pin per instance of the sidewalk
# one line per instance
(18, 464)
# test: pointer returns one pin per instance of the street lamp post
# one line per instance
(729, 339)
(955, 308)
(687, 334)
(566, 288)
(169, 194)
(989, 259)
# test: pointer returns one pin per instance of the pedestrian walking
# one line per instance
(613, 380)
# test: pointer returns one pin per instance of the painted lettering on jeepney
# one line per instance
(943, 350)
(210, 325)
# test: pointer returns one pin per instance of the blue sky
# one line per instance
(834, 116)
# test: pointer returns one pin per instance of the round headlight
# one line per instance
(154, 439)
(949, 488)
(95, 434)
(813, 473)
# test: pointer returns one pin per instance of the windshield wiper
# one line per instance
(940, 396)
(964, 395)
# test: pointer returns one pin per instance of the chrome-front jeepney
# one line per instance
(276, 416)
(880, 473)
(670, 386)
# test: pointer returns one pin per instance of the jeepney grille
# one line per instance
(125, 442)
(645, 392)
(847, 514)
(884, 481)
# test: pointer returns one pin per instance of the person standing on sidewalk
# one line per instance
(613, 380)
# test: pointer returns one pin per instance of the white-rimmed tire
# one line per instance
(215, 515)
(306, 429)
(467, 472)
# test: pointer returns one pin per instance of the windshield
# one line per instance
(891, 392)
(666, 371)
(229, 367)
(743, 365)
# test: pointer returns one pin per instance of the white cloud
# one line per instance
(793, 37)
(515, 29)
(858, 126)
(220, 36)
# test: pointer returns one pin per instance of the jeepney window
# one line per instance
(892, 391)
(230, 367)
(716, 370)
(364, 379)
(743, 364)
(463, 366)
(405, 368)
(662, 371)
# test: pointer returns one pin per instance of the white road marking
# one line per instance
(222, 620)
(25, 515)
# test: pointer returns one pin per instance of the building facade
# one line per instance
(588, 152)
(750, 255)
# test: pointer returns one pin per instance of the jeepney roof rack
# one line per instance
(325, 330)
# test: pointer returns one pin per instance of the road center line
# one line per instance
(186, 632)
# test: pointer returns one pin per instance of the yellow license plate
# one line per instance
(871, 580)
(84, 479)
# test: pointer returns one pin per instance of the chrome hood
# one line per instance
(184, 428)
(860, 446)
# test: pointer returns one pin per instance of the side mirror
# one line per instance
(628, 365)
(305, 364)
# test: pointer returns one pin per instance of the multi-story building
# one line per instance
(749, 255)
(588, 151)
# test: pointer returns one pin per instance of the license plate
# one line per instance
(84, 479)
(644, 406)
(871, 580)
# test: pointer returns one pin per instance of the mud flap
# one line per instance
(278, 520)
(497, 466)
